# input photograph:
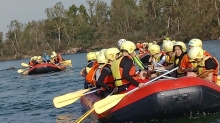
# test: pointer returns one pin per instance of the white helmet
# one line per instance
(120, 42)
(195, 42)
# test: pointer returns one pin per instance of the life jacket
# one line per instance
(59, 58)
(167, 60)
(158, 58)
(194, 64)
(109, 80)
(89, 66)
(31, 63)
(201, 67)
(117, 72)
(90, 77)
(176, 61)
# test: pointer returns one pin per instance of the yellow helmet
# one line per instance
(149, 44)
(52, 56)
(110, 53)
(173, 41)
(120, 42)
(103, 51)
(54, 53)
(101, 58)
(180, 43)
(91, 56)
(39, 58)
(33, 58)
(168, 46)
(195, 52)
(167, 38)
(195, 42)
(128, 46)
(154, 49)
(97, 53)
(154, 42)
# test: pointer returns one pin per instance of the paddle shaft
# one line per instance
(154, 79)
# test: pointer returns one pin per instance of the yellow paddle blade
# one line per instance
(21, 70)
(67, 61)
(24, 64)
(67, 64)
(84, 116)
(107, 103)
(218, 80)
(68, 99)
(25, 72)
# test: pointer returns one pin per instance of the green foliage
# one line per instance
(101, 26)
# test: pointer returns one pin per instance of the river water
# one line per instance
(28, 99)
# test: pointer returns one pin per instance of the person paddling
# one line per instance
(106, 80)
(123, 69)
(91, 58)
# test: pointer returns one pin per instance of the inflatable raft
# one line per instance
(45, 68)
(162, 99)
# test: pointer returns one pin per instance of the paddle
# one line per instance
(24, 64)
(87, 113)
(67, 63)
(70, 98)
(21, 70)
(107, 103)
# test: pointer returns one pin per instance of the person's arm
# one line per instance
(82, 72)
(127, 64)
(105, 72)
(161, 61)
(166, 67)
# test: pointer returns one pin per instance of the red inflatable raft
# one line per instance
(45, 68)
(162, 99)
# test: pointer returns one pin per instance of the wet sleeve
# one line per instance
(126, 64)
(105, 73)
(210, 64)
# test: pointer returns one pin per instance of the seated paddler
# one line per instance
(123, 69)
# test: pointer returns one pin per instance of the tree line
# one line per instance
(102, 25)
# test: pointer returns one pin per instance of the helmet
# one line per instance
(97, 53)
(173, 41)
(195, 42)
(120, 42)
(110, 53)
(195, 52)
(54, 53)
(168, 46)
(167, 38)
(52, 56)
(101, 58)
(45, 53)
(149, 44)
(39, 58)
(103, 51)
(91, 56)
(154, 49)
(128, 46)
(33, 58)
(154, 42)
(180, 43)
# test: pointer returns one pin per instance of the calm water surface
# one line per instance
(28, 99)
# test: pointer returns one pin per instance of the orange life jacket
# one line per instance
(117, 72)
(59, 58)
(31, 63)
(109, 80)
(90, 77)
(201, 68)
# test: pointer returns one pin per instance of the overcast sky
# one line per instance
(28, 10)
